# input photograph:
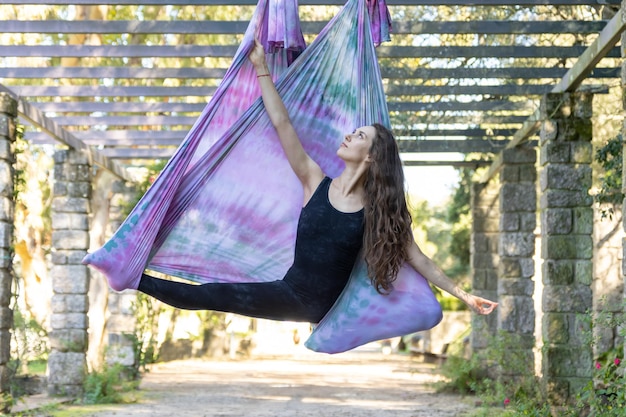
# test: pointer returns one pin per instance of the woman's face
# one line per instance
(356, 145)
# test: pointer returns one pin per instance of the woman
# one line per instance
(363, 208)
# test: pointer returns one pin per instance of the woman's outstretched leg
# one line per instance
(269, 300)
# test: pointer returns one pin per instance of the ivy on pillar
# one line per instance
(518, 211)
(70, 278)
(566, 242)
(484, 257)
(8, 113)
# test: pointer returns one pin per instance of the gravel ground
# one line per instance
(354, 384)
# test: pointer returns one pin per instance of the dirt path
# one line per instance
(356, 384)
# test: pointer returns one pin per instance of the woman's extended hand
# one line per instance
(257, 56)
(480, 305)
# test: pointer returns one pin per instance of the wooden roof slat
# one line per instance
(218, 73)
(390, 90)
(190, 120)
(125, 120)
(194, 27)
(113, 91)
(222, 51)
(460, 146)
(318, 2)
(146, 107)
(174, 137)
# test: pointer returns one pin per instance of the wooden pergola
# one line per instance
(478, 98)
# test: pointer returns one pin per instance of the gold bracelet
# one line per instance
(262, 75)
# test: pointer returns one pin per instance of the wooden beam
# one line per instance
(454, 146)
(199, 91)
(458, 164)
(218, 73)
(38, 119)
(227, 51)
(125, 120)
(143, 107)
(507, 73)
(605, 42)
(319, 2)
(112, 91)
(207, 27)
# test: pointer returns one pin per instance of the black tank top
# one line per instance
(328, 242)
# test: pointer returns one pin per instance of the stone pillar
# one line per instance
(70, 278)
(566, 242)
(484, 257)
(8, 113)
(120, 326)
(518, 211)
(623, 49)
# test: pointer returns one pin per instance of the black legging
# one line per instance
(274, 300)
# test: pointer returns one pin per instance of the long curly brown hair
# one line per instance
(387, 218)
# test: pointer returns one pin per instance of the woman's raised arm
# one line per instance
(307, 170)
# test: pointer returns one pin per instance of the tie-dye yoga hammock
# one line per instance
(226, 206)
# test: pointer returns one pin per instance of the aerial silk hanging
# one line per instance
(225, 208)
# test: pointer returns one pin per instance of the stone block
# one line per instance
(70, 279)
(6, 318)
(486, 224)
(518, 197)
(484, 280)
(485, 260)
(78, 157)
(6, 278)
(557, 221)
(58, 257)
(8, 105)
(554, 152)
(70, 303)
(566, 177)
(70, 204)
(6, 257)
(566, 298)
(6, 151)
(562, 198)
(528, 267)
(583, 272)
(564, 361)
(567, 247)
(555, 106)
(60, 321)
(509, 268)
(5, 126)
(582, 152)
(556, 389)
(558, 272)
(68, 340)
(479, 243)
(555, 328)
(5, 346)
(510, 222)
(583, 105)
(121, 355)
(517, 244)
(6, 234)
(70, 221)
(516, 314)
(6, 179)
(60, 188)
(79, 189)
(70, 239)
(519, 155)
(528, 173)
(548, 131)
(81, 173)
(509, 173)
(516, 287)
(6, 209)
(528, 221)
(583, 220)
(66, 368)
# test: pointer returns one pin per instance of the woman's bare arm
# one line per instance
(425, 266)
(307, 170)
